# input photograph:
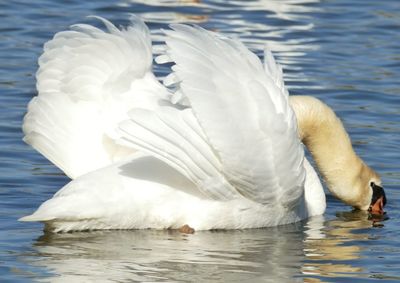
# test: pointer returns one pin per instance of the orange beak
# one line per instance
(377, 207)
(378, 200)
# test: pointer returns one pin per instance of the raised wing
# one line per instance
(175, 137)
(87, 81)
(243, 111)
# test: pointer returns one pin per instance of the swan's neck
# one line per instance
(345, 174)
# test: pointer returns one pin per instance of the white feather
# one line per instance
(87, 81)
(143, 192)
(243, 111)
(175, 137)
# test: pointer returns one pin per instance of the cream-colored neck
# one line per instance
(345, 174)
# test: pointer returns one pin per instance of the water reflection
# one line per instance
(300, 252)
(165, 255)
(342, 243)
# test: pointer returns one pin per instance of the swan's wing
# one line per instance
(274, 71)
(87, 81)
(242, 109)
(175, 137)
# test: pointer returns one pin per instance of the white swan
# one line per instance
(221, 149)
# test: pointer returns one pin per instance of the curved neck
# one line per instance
(345, 174)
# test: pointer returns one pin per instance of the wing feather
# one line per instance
(174, 137)
(242, 108)
(88, 79)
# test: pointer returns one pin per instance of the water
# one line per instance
(343, 52)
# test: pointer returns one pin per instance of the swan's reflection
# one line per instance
(342, 242)
(165, 255)
(300, 252)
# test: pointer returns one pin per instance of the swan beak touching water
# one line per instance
(378, 200)
(219, 145)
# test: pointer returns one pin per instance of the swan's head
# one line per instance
(374, 199)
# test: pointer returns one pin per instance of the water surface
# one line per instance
(342, 52)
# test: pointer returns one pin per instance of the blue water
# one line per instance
(344, 52)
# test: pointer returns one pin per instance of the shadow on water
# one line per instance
(311, 251)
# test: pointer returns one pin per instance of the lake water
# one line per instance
(344, 52)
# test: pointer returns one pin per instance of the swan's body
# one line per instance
(221, 151)
(154, 196)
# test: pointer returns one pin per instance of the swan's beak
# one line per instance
(378, 200)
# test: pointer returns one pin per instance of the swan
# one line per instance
(218, 145)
